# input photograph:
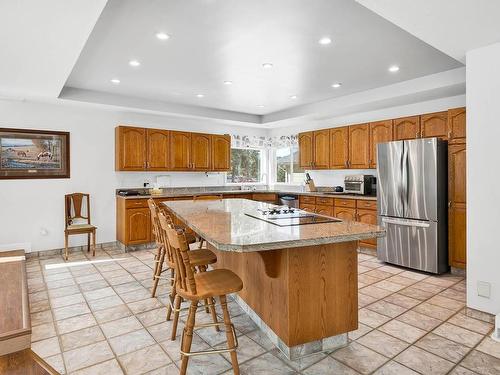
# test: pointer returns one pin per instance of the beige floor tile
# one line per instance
(113, 313)
(362, 330)
(482, 363)
(57, 363)
(424, 362)
(388, 285)
(453, 294)
(92, 295)
(75, 323)
(459, 370)
(88, 278)
(131, 342)
(43, 331)
(127, 287)
(415, 293)
(489, 346)
(64, 291)
(60, 283)
(110, 367)
(121, 280)
(394, 368)
(248, 349)
(329, 366)
(151, 317)
(160, 332)
(38, 296)
(373, 291)
(471, 324)
(363, 269)
(86, 356)
(42, 317)
(434, 311)
(364, 300)
(366, 279)
(402, 300)
(415, 275)
(418, 320)
(432, 288)
(480, 315)
(360, 358)
(445, 281)
(382, 343)
(66, 300)
(261, 338)
(70, 311)
(402, 331)
(136, 295)
(386, 308)
(94, 285)
(121, 326)
(38, 306)
(447, 303)
(442, 347)
(105, 303)
(46, 348)
(172, 348)
(265, 364)
(398, 279)
(144, 360)
(81, 337)
(372, 318)
(458, 334)
(379, 274)
(144, 305)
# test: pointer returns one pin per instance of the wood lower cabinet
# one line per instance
(324, 210)
(457, 205)
(359, 146)
(367, 217)
(264, 197)
(321, 149)
(201, 156)
(434, 125)
(138, 221)
(406, 128)
(456, 125)
(380, 132)
(306, 150)
(345, 213)
(130, 148)
(339, 147)
(221, 152)
(157, 149)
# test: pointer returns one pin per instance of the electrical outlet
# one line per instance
(483, 289)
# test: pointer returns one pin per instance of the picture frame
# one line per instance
(31, 153)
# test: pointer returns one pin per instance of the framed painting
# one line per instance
(34, 154)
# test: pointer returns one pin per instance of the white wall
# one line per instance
(483, 207)
(27, 207)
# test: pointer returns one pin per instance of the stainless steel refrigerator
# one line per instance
(412, 203)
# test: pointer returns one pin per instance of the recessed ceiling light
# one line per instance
(228, 82)
(116, 81)
(200, 95)
(336, 85)
(393, 68)
(293, 96)
(162, 36)
(325, 40)
(267, 65)
(134, 63)
(260, 105)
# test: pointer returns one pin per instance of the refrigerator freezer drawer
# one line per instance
(410, 243)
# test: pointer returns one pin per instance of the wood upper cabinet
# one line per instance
(180, 151)
(138, 225)
(321, 149)
(221, 152)
(201, 152)
(359, 146)
(157, 149)
(457, 208)
(130, 148)
(339, 147)
(456, 125)
(367, 217)
(306, 150)
(434, 125)
(380, 132)
(406, 128)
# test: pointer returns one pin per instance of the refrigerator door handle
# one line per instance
(407, 223)
(404, 178)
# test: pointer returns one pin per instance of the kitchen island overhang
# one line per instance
(300, 282)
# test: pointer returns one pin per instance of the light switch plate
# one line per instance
(483, 289)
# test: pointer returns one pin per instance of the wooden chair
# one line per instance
(212, 197)
(76, 206)
(160, 254)
(200, 286)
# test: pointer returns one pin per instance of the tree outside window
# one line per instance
(287, 165)
(246, 166)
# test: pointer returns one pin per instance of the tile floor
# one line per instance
(99, 319)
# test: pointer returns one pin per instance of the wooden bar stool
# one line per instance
(77, 219)
(160, 253)
(199, 286)
(212, 197)
(200, 259)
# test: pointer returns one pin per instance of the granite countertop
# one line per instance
(235, 192)
(225, 226)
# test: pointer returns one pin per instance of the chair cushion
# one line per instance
(80, 227)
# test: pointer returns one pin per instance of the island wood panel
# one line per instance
(157, 149)
(339, 147)
(221, 152)
(321, 149)
(434, 125)
(303, 294)
(406, 128)
(201, 146)
(180, 151)
(25, 362)
(380, 132)
(359, 146)
(130, 148)
(457, 205)
(306, 150)
(456, 125)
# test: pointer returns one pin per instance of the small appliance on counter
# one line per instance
(359, 184)
(338, 189)
(310, 186)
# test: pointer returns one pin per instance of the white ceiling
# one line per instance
(215, 40)
(452, 26)
(40, 43)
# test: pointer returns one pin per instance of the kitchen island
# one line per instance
(300, 281)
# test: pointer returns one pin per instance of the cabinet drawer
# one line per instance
(186, 198)
(243, 196)
(324, 210)
(263, 197)
(339, 202)
(366, 204)
(307, 199)
(136, 203)
(324, 201)
(308, 207)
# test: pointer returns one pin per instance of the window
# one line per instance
(246, 165)
(287, 166)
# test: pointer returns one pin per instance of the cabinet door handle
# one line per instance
(449, 204)
(193, 166)
(145, 165)
(449, 134)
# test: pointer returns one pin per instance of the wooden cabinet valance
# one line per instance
(140, 149)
